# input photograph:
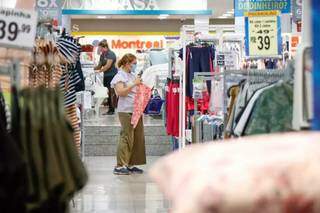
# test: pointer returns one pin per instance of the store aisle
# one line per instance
(106, 192)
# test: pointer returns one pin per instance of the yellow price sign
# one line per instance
(263, 34)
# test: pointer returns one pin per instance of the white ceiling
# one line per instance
(219, 7)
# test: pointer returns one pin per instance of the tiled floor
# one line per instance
(107, 193)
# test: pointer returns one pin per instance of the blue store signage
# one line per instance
(316, 62)
(242, 6)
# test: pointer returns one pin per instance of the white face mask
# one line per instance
(133, 68)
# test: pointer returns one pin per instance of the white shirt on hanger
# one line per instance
(246, 114)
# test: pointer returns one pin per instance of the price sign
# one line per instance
(263, 34)
(17, 28)
(227, 59)
(220, 59)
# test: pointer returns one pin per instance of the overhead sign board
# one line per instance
(135, 7)
(17, 28)
(243, 6)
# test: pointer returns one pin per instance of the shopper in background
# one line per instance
(107, 66)
(131, 148)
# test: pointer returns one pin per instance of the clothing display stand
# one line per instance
(205, 76)
(185, 32)
(237, 75)
(171, 76)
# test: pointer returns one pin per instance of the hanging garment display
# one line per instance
(141, 99)
(210, 128)
(217, 97)
(12, 169)
(235, 50)
(56, 64)
(53, 171)
(263, 105)
(272, 111)
(199, 59)
(172, 107)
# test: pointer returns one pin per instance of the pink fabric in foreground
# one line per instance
(141, 100)
(276, 173)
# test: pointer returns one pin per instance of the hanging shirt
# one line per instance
(246, 114)
(272, 112)
(125, 104)
(69, 79)
(216, 99)
(141, 99)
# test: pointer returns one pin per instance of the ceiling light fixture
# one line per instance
(163, 16)
(101, 17)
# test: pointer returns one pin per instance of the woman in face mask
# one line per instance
(131, 147)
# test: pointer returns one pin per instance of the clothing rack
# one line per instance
(185, 39)
(235, 75)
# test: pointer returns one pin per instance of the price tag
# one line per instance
(17, 28)
(227, 59)
(220, 59)
(263, 34)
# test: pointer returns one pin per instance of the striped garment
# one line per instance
(69, 48)
(69, 79)
(75, 123)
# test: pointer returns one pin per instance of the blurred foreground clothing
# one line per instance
(45, 157)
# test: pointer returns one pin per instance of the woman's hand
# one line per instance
(138, 81)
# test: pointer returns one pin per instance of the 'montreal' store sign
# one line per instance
(137, 44)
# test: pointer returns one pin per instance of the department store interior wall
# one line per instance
(137, 25)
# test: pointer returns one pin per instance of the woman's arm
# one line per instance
(107, 66)
(123, 90)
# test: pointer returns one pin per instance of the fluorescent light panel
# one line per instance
(101, 17)
(163, 16)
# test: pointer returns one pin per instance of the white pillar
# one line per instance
(306, 22)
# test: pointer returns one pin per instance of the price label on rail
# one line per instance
(263, 34)
(17, 28)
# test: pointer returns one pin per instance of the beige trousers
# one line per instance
(131, 148)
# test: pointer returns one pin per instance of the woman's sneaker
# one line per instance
(121, 171)
(135, 170)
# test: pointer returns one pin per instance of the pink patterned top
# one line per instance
(141, 99)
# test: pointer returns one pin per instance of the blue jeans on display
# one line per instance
(199, 59)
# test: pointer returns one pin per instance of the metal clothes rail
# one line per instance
(231, 75)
